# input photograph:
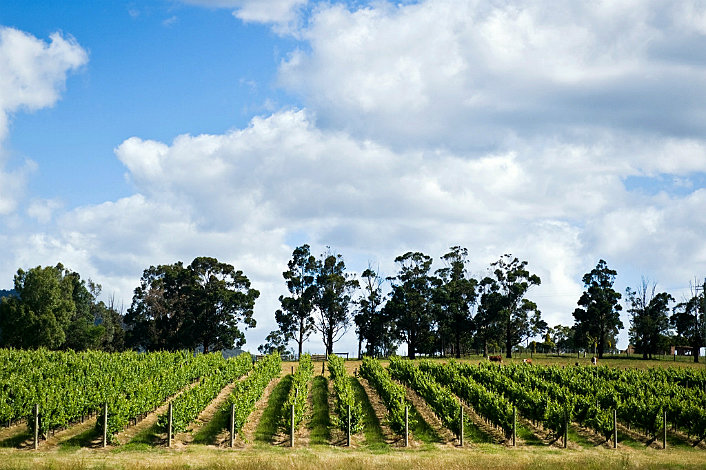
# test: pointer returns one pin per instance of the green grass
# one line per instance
(473, 433)
(269, 422)
(374, 438)
(208, 432)
(529, 438)
(320, 424)
(146, 438)
(421, 430)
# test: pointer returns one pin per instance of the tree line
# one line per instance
(208, 304)
(449, 312)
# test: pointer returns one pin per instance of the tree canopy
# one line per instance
(597, 319)
(203, 304)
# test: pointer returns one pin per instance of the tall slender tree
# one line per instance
(411, 306)
(649, 318)
(598, 318)
(506, 305)
(295, 318)
(689, 319)
(456, 296)
(372, 325)
(333, 299)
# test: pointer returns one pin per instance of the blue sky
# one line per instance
(140, 133)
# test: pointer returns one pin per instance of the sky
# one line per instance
(138, 133)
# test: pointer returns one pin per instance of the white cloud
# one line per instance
(279, 12)
(33, 76)
(476, 74)
(240, 196)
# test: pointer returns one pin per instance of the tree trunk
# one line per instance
(458, 345)
(360, 348)
(329, 342)
(300, 343)
(508, 345)
(411, 345)
(485, 347)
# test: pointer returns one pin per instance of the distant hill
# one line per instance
(7, 293)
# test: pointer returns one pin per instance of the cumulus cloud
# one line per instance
(33, 75)
(240, 196)
(476, 74)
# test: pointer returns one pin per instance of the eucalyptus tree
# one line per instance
(455, 297)
(372, 325)
(411, 304)
(689, 319)
(295, 318)
(203, 304)
(333, 298)
(505, 304)
(649, 318)
(598, 318)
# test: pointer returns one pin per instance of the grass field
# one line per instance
(269, 450)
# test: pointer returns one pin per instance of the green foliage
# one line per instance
(203, 304)
(411, 306)
(649, 318)
(504, 308)
(455, 297)
(187, 406)
(391, 393)
(445, 405)
(333, 298)
(295, 319)
(297, 397)
(372, 325)
(345, 396)
(492, 406)
(598, 318)
(248, 391)
(52, 307)
(689, 320)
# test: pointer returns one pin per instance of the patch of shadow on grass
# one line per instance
(85, 439)
(269, 422)
(145, 439)
(529, 438)
(374, 438)
(320, 424)
(17, 440)
(420, 429)
(209, 431)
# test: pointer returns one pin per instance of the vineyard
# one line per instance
(101, 401)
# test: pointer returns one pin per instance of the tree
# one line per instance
(411, 307)
(506, 305)
(649, 318)
(455, 297)
(689, 320)
(220, 299)
(333, 298)
(179, 307)
(372, 326)
(51, 307)
(599, 318)
(295, 318)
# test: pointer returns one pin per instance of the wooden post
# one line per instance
(105, 424)
(232, 424)
(566, 430)
(615, 429)
(292, 370)
(664, 432)
(291, 430)
(169, 427)
(406, 426)
(36, 426)
(348, 438)
(514, 426)
(460, 436)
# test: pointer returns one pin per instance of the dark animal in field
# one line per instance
(495, 358)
